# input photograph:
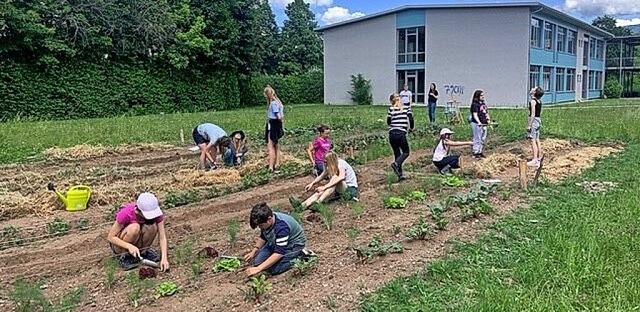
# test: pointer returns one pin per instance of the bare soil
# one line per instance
(79, 258)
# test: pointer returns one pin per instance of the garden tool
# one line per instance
(149, 263)
(76, 198)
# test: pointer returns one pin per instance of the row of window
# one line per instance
(596, 49)
(565, 39)
(595, 80)
(411, 45)
(565, 78)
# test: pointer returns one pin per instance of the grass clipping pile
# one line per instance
(562, 158)
(86, 151)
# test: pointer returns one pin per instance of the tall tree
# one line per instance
(608, 23)
(300, 45)
(266, 30)
(222, 29)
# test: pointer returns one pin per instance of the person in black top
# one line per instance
(400, 121)
(433, 98)
(534, 125)
(479, 119)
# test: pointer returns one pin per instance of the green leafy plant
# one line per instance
(330, 303)
(184, 252)
(417, 195)
(392, 202)
(419, 231)
(474, 202)
(197, 265)
(453, 181)
(136, 288)
(10, 236)
(111, 265)
(361, 90)
(83, 224)
(376, 247)
(357, 210)
(612, 88)
(58, 227)
(166, 289)
(327, 214)
(172, 199)
(232, 229)
(396, 229)
(258, 286)
(226, 265)
(302, 266)
(352, 234)
(437, 210)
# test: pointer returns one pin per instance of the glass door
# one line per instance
(415, 80)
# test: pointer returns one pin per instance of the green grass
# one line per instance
(569, 251)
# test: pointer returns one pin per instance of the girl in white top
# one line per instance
(343, 182)
(441, 158)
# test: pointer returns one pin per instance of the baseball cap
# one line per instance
(445, 131)
(148, 205)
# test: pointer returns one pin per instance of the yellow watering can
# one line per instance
(77, 196)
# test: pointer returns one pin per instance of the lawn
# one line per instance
(570, 250)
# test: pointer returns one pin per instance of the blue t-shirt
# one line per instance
(285, 234)
(210, 132)
(274, 110)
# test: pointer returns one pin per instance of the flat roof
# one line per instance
(536, 6)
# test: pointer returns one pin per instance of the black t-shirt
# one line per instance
(538, 108)
(481, 109)
(431, 97)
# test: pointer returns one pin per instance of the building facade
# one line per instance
(503, 49)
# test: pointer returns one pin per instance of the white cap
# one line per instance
(148, 205)
(445, 131)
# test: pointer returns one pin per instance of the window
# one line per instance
(534, 76)
(597, 80)
(535, 32)
(592, 48)
(571, 40)
(570, 82)
(548, 36)
(546, 78)
(599, 49)
(411, 45)
(559, 79)
(562, 39)
(592, 80)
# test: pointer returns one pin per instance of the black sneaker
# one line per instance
(128, 262)
(446, 170)
(396, 168)
(402, 178)
(150, 254)
(482, 155)
(296, 204)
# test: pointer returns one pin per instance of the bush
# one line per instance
(361, 90)
(612, 88)
(293, 89)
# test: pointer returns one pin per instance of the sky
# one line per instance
(627, 12)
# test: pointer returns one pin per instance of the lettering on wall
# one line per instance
(453, 89)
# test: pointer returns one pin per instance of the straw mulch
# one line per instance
(86, 151)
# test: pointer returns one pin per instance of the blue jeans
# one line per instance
(432, 111)
(281, 266)
(229, 158)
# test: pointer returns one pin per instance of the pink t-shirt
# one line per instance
(127, 215)
(320, 147)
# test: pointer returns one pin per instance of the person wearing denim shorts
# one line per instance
(534, 125)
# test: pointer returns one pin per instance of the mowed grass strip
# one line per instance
(570, 251)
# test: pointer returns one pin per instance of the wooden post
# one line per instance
(522, 173)
(182, 136)
(351, 151)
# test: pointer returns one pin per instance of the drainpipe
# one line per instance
(620, 62)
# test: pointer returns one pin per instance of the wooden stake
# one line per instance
(522, 173)
(351, 151)
(182, 136)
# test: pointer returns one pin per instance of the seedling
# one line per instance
(184, 253)
(172, 199)
(390, 179)
(82, 224)
(234, 226)
(111, 265)
(474, 202)
(136, 287)
(417, 195)
(357, 210)
(258, 286)
(10, 236)
(392, 202)
(437, 209)
(327, 214)
(453, 181)
(226, 265)
(330, 303)
(166, 289)
(352, 233)
(197, 266)
(419, 231)
(377, 247)
(58, 227)
(301, 267)
(396, 229)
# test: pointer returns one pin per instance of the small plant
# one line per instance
(330, 303)
(258, 286)
(390, 178)
(111, 265)
(419, 231)
(437, 209)
(232, 229)
(83, 224)
(417, 195)
(302, 266)
(172, 199)
(184, 253)
(28, 296)
(166, 289)
(395, 229)
(58, 227)
(392, 202)
(226, 265)
(70, 300)
(376, 247)
(208, 252)
(136, 287)
(146, 272)
(327, 215)
(430, 183)
(197, 264)
(453, 181)
(10, 236)
(474, 202)
(352, 234)
(360, 90)
(357, 210)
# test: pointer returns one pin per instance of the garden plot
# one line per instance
(81, 258)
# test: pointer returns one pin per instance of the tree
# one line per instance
(300, 45)
(266, 30)
(608, 23)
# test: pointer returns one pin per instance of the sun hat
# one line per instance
(445, 131)
(148, 205)
(240, 132)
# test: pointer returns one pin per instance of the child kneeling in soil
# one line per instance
(441, 158)
(281, 241)
(343, 182)
(234, 155)
(135, 229)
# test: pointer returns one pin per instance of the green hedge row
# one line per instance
(105, 89)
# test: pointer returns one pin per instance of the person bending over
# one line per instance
(210, 139)
(441, 157)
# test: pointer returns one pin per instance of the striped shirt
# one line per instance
(285, 235)
(398, 119)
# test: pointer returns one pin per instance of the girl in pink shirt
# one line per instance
(318, 147)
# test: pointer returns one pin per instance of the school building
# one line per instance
(502, 48)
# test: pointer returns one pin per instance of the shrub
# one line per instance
(361, 90)
(612, 88)
(305, 88)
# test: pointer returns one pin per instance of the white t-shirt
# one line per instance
(440, 152)
(349, 175)
(405, 96)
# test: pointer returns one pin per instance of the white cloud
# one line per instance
(338, 14)
(599, 7)
(626, 22)
(284, 3)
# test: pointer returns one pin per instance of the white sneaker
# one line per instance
(534, 163)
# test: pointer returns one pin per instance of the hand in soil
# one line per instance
(250, 255)
(134, 251)
(251, 271)
(164, 265)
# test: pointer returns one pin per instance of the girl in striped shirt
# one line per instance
(400, 121)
